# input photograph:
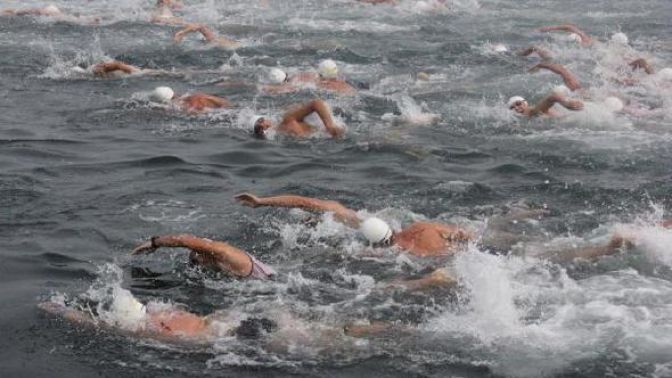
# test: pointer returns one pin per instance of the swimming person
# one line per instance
(519, 105)
(293, 121)
(193, 103)
(575, 33)
(569, 78)
(326, 79)
(541, 52)
(210, 36)
(419, 239)
(209, 253)
(51, 11)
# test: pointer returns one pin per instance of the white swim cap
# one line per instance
(573, 37)
(665, 74)
(561, 90)
(375, 230)
(614, 104)
(513, 100)
(276, 76)
(162, 94)
(328, 69)
(52, 9)
(255, 118)
(500, 48)
(78, 69)
(423, 6)
(127, 311)
(619, 38)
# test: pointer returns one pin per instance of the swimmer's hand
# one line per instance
(146, 247)
(248, 199)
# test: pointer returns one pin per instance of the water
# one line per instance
(89, 169)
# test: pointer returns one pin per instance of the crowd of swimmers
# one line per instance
(419, 239)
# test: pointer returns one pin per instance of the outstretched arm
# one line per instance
(438, 278)
(570, 80)
(642, 63)
(343, 214)
(589, 253)
(569, 28)
(207, 33)
(208, 252)
(546, 104)
(115, 65)
(321, 108)
(542, 53)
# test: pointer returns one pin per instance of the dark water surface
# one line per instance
(89, 169)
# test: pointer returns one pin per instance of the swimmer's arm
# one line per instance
(214, 101)
(115, 65)
(570, 80)
(546, 104)
(322, 109)
(438, 278)
(590, 253)
(207, 33)
(343, 214)
(569, 28)
(642, 63)
(542, 53)
(375, 328)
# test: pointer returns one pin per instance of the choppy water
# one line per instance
(89, 169)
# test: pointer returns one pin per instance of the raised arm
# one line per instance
(569, 28)
(438, 278)
(542, 53)
(207, 33)
(115, 65)
(208, 252)
(570, 80)
(546, 104)
(343, 214)
(318, 106)
(642, 63)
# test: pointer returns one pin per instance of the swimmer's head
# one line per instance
(260, 125)
(277, 76)
(619, 38)
(614, 104)
(517, 104)
(376, 231)
(162, 94)
(560, 90)
(127, 311)
(500, 48)
(328, 69)
(573, 37)
(665, 74)
(51, 9)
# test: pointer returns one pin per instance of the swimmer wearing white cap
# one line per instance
(207, 33)
(570, 80)
(325, 79)
(575, 33)
(293, 122)
(419, 239)
(193, 103)
(519, 105)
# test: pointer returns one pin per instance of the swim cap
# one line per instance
(573, 37)
(500, 48)
(375, 230)
(128, 312)
(277, 76)
(328, 69)
(513, 100)
(665, 74)
(619, 38)
(162, 94)
(614, 104)
(561, 90)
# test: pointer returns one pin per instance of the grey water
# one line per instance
(89, 169)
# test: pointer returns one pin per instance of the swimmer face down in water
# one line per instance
(193, 103)
(210, 37)
(325, 79)
(519, 105)
(51, 11)
(419, 239)
(293, 122)
(575, 33)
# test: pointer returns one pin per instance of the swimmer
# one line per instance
(570, 80)
(115, 68)
(293, 122)
(193, 103)
(51, 11)
(213, 254)
(520, 105)
(207, 33)
(325, 79)
(420, 238)
(542, 53)
(164, 15)
(575, 33)
(172, 4)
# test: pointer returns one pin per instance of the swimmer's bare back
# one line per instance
(207, 33)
